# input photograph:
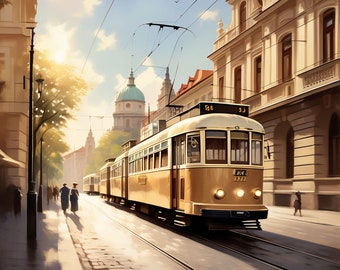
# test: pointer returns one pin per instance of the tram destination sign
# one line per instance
(214, 107)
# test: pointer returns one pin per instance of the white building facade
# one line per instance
(282, 57)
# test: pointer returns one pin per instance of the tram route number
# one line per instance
(206, 107)
(240, 175)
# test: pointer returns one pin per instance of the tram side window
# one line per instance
(156, 160)
(139, 162)
(256, 149)
(164, 157)
(239, 147)
(150, 161)
(194, 148)
(216, 147)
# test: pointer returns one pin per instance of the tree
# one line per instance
(109, 145)
(54, 104)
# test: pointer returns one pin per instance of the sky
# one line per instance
(106, 39)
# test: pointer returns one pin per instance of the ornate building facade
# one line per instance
(282, 57)
(15, 39)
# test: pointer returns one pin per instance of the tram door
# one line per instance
(178, 159)
(124, 179)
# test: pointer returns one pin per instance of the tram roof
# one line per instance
(206, 121)
(218, 121)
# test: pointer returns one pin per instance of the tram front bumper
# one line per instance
(231, 211)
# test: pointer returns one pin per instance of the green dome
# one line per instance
(131, 92)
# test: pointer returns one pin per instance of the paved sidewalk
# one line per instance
(311, 216)
(54, 249)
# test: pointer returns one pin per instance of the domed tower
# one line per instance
(130, 108)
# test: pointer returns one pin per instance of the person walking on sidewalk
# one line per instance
(297, 203)
(64, 197)
(74, 198)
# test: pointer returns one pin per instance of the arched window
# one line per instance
(243, 16)
(328, 35)
(286, 57)
(290, 153)
(334, 146)
(237, 85)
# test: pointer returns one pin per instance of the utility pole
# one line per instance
(31, 194)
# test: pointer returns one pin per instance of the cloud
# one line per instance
(209, 15)
(106, 41)
(74, 8)
(56, 42)
(150, 84)
(89, 6)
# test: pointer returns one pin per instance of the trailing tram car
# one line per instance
(207, 166)
(104, 179)
(91, 184)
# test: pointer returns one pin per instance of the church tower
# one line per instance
(167, 93)
(90, 145)
(129, 108)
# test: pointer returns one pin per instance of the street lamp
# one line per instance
(31, 194)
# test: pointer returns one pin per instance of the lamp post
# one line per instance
(31, 194)
(40, 82)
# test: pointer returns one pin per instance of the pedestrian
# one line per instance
(64, 197)
(74, 198)
(55, 193)
(297, 203)
(17, 200)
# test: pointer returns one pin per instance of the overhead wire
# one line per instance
(161, 41)
(95, 37)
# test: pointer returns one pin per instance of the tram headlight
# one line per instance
(219, 194)
(240, 193)
(257, 193)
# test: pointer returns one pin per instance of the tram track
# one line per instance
(271, 254)
(198, 238)
(274, 254)
(154, 246)
(246, 246)
(88, 265)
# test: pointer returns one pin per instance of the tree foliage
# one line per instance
(54, 105)
(109, 146)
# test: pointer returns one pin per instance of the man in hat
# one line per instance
(64, 197)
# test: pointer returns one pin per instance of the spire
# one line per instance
(167, 76)
(131, 79)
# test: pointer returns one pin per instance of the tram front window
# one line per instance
(216, 147)
(239, 147)
(194, 148)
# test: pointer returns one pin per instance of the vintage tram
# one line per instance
(207, 165)
(91, 184)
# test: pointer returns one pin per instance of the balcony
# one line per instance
(320, 75)
(270, 97)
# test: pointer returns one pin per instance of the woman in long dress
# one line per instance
(74, 198)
